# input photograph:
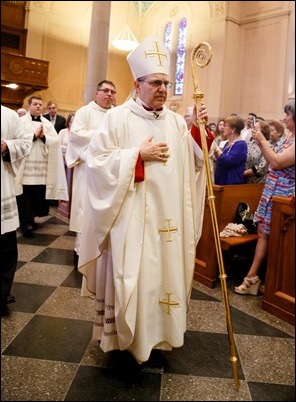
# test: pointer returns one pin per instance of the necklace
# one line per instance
(228, 147)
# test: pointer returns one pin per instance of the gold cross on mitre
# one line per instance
(169, 229)
(168, 302)
(157, 53)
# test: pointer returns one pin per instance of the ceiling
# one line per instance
(142, 7)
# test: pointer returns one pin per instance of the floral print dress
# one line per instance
(278, 182)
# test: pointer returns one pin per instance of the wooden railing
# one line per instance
(24, 70)
(29, 74)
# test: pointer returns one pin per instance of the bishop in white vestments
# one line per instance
(145, 181)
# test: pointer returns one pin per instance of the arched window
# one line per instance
(180, 52)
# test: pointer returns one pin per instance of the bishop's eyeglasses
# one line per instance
(157, 83)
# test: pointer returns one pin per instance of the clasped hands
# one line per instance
(39, 132)
(154, 151)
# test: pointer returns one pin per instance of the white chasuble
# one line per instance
(139, 239)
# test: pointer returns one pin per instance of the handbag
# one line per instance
(245, 216)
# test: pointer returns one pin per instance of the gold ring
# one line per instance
(162, 154)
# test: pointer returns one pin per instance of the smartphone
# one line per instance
(254, 121)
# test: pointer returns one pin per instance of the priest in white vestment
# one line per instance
(145, 180)
(15, 145)
(42, 175)
(87, 119)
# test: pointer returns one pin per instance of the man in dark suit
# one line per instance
(58, 121)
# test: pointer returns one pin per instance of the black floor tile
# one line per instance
(38, 239)
(29, 297)
(271, 392)
(55, 221)
(20, 264)
(105, 384)
(55, 256)
(73, 280)
(52, 338)
(70, 233)
(197, 295)
(203, 354)
(248, 325)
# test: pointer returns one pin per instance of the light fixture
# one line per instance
(12, 86)
(125, 40)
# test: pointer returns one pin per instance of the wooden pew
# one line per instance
(226, 200)
(279, 292)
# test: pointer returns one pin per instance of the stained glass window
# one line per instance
(168, 33)
(181, 55)
(180, 52)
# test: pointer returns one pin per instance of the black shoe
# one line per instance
(28, 234)
(127, 368)
(76, 256)
(9, 299)
(156, 359)
(26, 226)
(34, 225)
(4, 310)
(27, 230)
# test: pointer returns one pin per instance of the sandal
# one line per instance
(250, 286)
(261, 289)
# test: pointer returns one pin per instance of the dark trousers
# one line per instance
(32, 203)
(9, 255)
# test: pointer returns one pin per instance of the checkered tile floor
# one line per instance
(48, 354)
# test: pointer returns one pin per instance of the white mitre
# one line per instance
(150, 57)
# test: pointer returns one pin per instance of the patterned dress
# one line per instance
(256, 162)
(278, 182)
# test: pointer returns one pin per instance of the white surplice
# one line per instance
(87, 119)
(139, 239)
(44, 165)
(19, 145)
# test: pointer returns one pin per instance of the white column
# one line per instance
(98, 48)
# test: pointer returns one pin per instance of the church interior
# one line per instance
(61, 50)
